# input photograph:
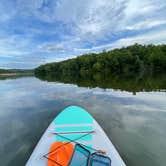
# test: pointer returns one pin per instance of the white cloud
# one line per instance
(58, 47)
(95, 20)
(146, 38)
(154, 37)
(144, 14)
(146, 24)
(72, 51)
(13, 46)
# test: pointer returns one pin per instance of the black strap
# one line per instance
(78, 142)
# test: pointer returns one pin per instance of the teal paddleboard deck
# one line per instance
(76, 125)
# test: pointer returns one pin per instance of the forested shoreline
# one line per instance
(135, 59)
(4, 71)
(16, 71)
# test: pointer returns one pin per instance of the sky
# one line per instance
(35, 32)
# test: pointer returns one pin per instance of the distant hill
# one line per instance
(129, 60)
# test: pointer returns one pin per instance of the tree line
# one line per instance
(135, 59)
(10, 71)
(4, 71)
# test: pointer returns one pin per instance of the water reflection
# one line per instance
(135, 123)
(132, 83)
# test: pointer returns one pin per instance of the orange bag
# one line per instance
(61, 155)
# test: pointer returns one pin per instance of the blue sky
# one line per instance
(34, 32)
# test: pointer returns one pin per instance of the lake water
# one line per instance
(136, 124)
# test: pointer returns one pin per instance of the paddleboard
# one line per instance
(74, 125)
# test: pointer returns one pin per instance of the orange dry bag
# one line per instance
(60, 154)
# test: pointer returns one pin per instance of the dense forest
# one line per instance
(131, 60)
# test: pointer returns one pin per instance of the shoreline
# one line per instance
(15, 74)
(8, 74)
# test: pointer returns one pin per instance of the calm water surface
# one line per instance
(136, 124)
